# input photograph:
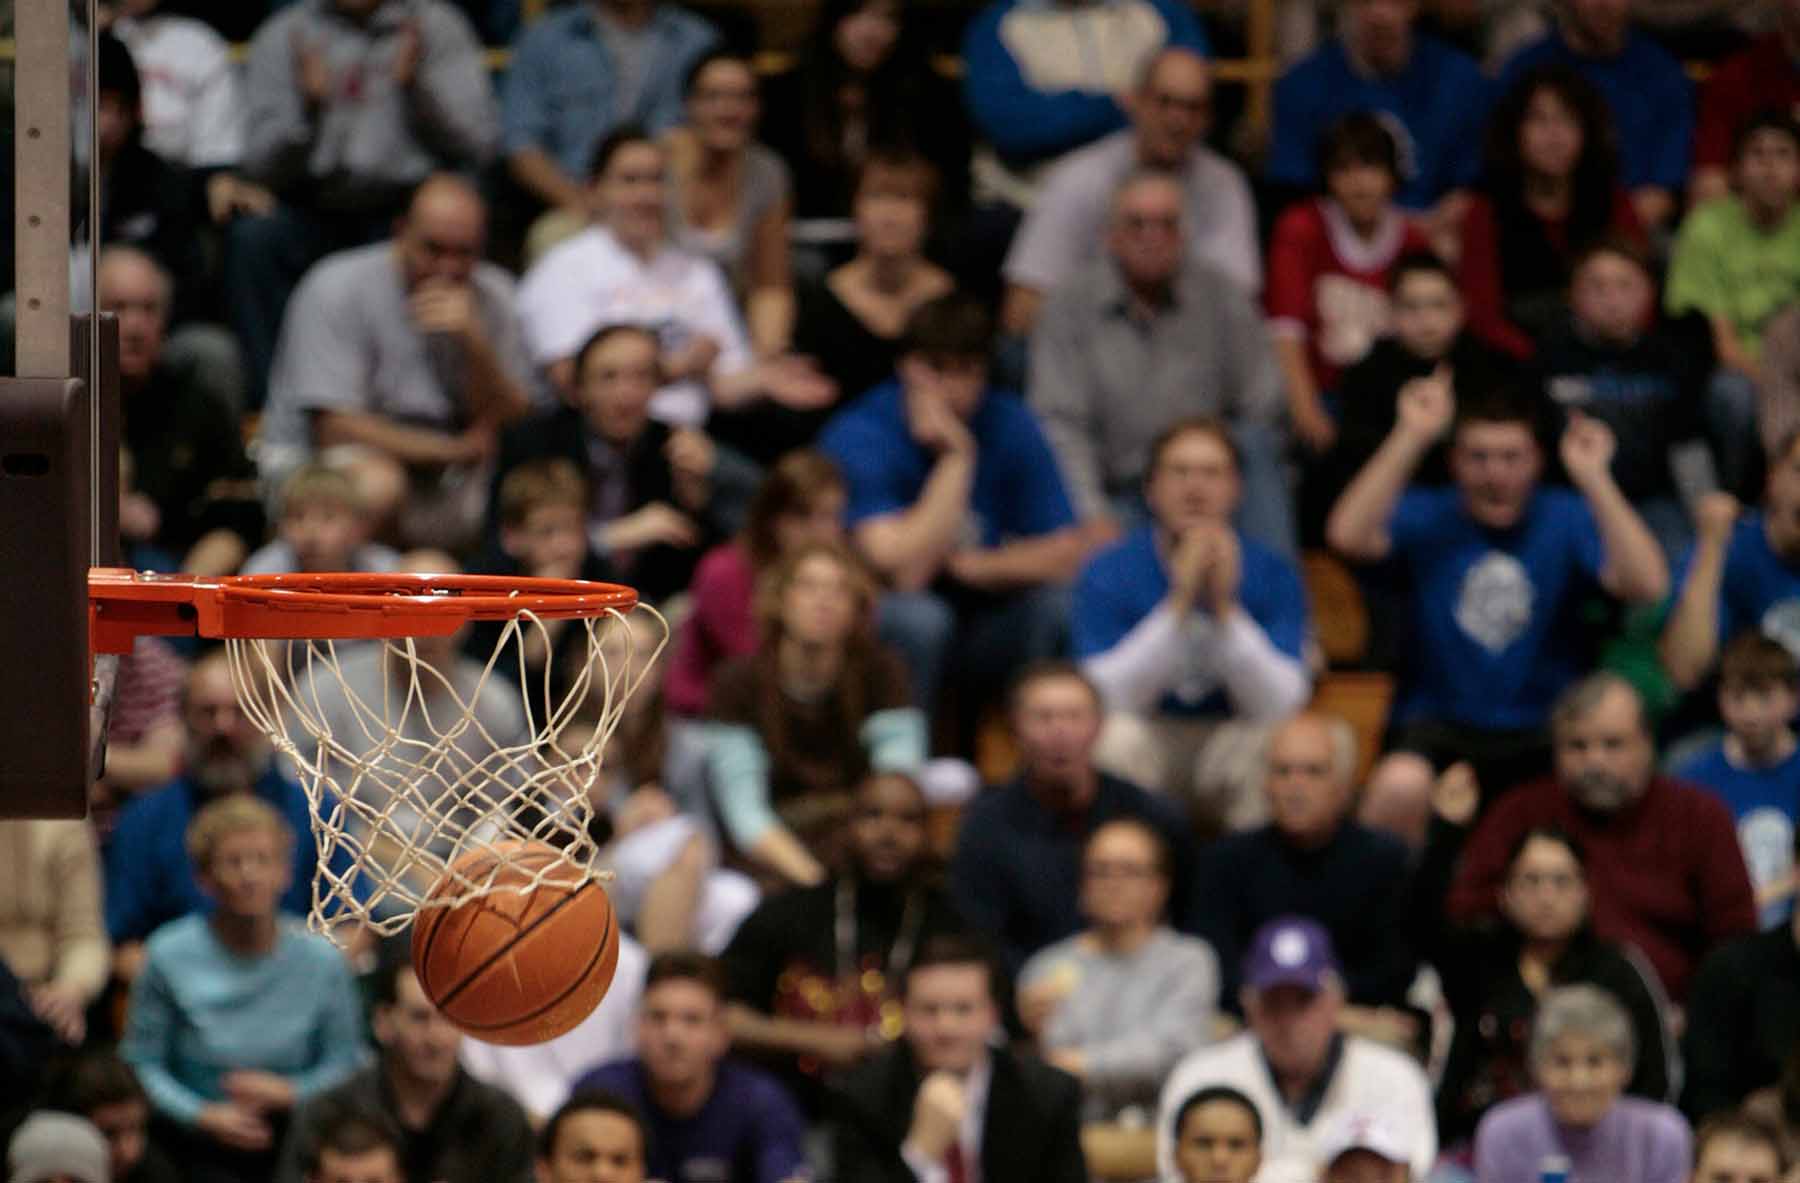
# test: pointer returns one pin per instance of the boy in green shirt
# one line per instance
(1737, 258)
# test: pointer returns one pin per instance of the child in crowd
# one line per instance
(1737, 259)
(1328, 269)
(1738, 1148)
(543, 535)
(323, 527)
(1755, 769)
(1429, 332)
(1644, 377)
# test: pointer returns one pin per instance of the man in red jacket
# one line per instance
(1664, 868)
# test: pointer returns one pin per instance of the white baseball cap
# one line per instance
(1364, 1131)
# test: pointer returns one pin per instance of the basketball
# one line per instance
(517, 964)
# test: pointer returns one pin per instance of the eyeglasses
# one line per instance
(1119, 871)
(1138, 223)
(1193, 105)
(1560, 880)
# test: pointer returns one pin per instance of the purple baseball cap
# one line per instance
(1290, 951)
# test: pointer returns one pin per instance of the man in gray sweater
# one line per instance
(1147, 335)
(351, 103)
(1119, 1004)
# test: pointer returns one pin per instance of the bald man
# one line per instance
(1170, 109)
(1312, 860)
(400, 361)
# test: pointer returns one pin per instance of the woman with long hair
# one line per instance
(862, 84)
(1496, 977)
(730, 197)
(1552, 186)
(800, 501)
(795, 725)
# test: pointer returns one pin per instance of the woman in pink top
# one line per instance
(800, 501)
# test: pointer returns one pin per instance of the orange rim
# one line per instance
(124, 605)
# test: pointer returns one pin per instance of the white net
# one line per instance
(413, 756)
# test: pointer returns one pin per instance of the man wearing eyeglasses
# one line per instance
(1314, 860)
(1151, 332)
(1170, 110)
(1121, 1002)
(400, 362)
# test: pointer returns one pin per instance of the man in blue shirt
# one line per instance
(1743, 573)
(1186, 625)
(583, 70)
(1498, 567)
(1652, 103)
(956, 499)
(1432, 97)
(150, 880)
(709, 1118)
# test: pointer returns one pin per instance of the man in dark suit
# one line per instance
(944, 1105)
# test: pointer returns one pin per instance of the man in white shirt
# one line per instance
(1170, 110)
(1301, 1072)
(624, 269)
(944, 1105)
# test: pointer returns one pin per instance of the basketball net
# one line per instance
(403, 776)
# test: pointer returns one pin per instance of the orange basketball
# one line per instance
(518, 964)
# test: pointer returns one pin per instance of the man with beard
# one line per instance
(1743, 573)
(452, 1127)
(150, 880)
(1498, 567)
(815, 973)
(1664, 866)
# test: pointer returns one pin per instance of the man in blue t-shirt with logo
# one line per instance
(957, 501)
(1186, 625)
(1498, 566)
(1743, 573)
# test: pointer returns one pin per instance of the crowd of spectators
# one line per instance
(1040, 415)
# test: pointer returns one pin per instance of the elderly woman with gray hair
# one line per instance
(1582, 1053)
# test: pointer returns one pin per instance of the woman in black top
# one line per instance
(850, 321)
(1495, 976)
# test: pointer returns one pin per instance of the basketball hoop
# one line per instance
(401, 768)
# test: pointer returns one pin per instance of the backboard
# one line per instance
(58, 424)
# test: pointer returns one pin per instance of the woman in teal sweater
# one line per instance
(794, 726)
(240, 1014)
